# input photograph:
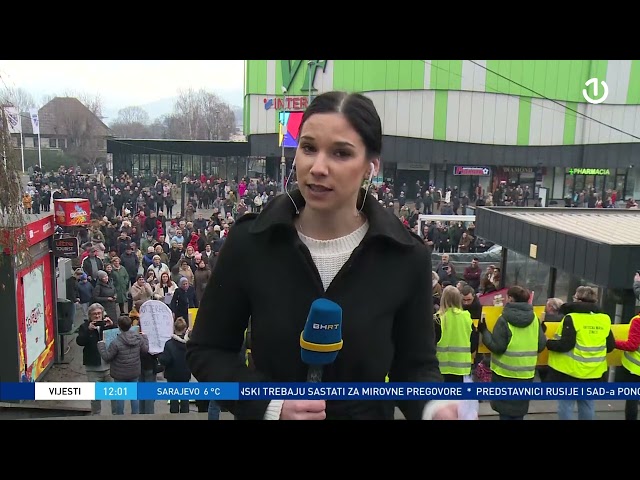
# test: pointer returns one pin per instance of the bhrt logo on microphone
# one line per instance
(321, 326)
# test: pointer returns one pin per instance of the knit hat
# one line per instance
(183, 280)
(102, 273)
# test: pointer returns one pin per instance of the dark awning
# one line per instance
(213, 148)
(600, 245)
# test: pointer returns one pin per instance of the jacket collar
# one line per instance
(580, 307)
(281, 212)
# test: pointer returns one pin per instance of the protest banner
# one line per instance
(156, 321)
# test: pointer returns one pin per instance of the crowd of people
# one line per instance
(320, 239)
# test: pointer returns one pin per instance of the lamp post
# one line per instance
(283, 159)
(309, 64)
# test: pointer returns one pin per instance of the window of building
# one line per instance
(53, 143)
(615, 180)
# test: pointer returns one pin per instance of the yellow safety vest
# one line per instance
(588, 359)
(631, 360)
(454, 347)
(521, 356)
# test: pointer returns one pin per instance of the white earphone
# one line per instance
(371, 173)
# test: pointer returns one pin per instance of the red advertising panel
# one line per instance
(35, 319)
(33, 233)
(72, 212)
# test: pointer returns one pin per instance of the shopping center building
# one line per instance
(463, 123)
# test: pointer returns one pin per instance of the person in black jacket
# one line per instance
(89, 334)
(174, 359)
(327, 238)
(183, 299)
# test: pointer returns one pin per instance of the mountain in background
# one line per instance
(164, 106)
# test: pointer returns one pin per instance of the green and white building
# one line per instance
(468, 122)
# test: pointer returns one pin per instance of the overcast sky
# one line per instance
(122, 83)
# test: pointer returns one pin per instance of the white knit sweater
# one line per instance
(330, 255)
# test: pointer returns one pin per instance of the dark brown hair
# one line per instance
(519, 294)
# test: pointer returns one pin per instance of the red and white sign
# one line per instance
(72, 212)
(34, 232)
(39, 230)
(476, 171)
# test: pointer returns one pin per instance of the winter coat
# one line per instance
(123, 354)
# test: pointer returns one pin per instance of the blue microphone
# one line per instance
(321, 339)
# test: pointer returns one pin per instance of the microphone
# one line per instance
(321, 339)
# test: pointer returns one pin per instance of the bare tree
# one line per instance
(17, 97)
(133, 114)
(211, 114)
(132, 122)
(93, 102)
(11, 207)
(201, 116)
(188, 109)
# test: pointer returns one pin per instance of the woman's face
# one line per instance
(190, 250)
(164, 278)
(108, 268)
(331, 162)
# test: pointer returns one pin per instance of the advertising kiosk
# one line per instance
(27, 295)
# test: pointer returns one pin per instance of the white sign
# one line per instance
(34, 307)
(156, 322)
(13, 119)
(35, 120)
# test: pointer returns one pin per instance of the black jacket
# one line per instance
(174, 358)
(182, 301)
(89, 340)
(387, 328)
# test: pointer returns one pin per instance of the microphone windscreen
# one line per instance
(321, 339)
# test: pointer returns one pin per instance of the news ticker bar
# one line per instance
(315, 391)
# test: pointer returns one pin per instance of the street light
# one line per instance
(309, 64)
(283, 160)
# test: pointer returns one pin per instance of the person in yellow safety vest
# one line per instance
(456, 337)
(579, 352)
(515, 343)
(629, 371)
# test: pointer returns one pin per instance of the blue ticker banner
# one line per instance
(316, 391)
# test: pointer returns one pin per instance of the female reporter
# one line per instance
(330, 239)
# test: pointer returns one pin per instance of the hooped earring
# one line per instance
(371, 173)
(286, 187)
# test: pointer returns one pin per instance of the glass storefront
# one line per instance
(528, 273)
(443, 177)
(614, 179)
(147, 165)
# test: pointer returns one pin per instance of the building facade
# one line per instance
(65, 124)
(464, 123)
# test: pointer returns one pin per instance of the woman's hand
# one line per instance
(303, 410)
(446, 412)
